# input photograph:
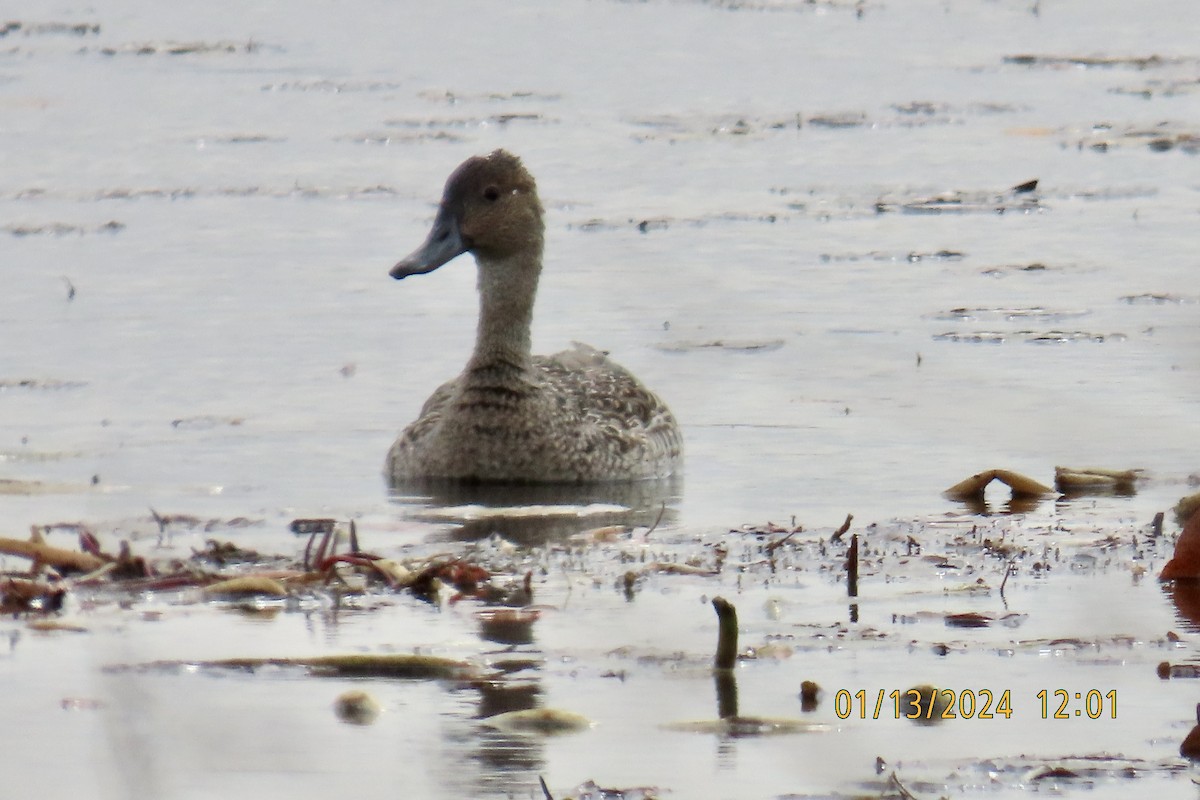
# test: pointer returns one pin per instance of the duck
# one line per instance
(575, 417)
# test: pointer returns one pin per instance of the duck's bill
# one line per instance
(444, 243)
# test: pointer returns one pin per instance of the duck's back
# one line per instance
(576, 416)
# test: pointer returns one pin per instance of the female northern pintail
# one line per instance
(510, 416)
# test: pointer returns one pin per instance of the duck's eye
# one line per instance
(491, 194)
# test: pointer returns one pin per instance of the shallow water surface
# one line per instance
(799, 222)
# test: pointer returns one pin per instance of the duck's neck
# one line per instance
(507, 288)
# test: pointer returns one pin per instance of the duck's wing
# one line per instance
(603, 395)
(431, 413)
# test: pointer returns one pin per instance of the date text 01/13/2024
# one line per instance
(928, 703)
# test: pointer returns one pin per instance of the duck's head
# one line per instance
(490, 207)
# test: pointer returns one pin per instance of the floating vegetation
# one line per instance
(742, 727)
(246, 586)
(242, 138)
(406, 137)
(45, 555)
(859, 7)
(170, 48)
(1161, 87)
(1161, 138)
(915, 114)
(543, 721)
(49, 28)
(15, 486)
(331, 86)
(61, 229)
(731, 345)
(1035, 266)
(451, 97)
(1022, 198)
(442, 129)
(18, 595)
(1095, 480)
(40, 384)
(674, 127)
(646, 225)
(974, 619)
(1093, 62)
(1158, 299)
(1029, 336)
(190, 192)
(222, 572)
(1008, 314)
(910, 257)
(206, 422)
(468, 122)
(590, 790)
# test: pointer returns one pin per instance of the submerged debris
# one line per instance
(65, 561)
(18, 596)
(973, 487)
(356, 707)
(1089, 480)
(590, 790)
(545, 721)
(246, 586)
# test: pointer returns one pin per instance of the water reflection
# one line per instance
(504, 755)
(534, 514)
(509, 626)
(1012, 505)
(1185, 595)
(727, 693)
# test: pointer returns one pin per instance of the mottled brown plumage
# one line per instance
(572, 417)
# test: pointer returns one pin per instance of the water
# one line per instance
(234, 347)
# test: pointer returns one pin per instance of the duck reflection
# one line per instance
(535, 514)
(1185, 595)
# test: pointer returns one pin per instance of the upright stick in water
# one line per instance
(723, 675)
(727, 633)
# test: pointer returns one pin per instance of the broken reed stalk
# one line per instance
(727, 634)
(901, 788)
(840, 532)
(775, 545)
(658, 519)
(42, 553)
(726, 658)
(1008, 570)
(852, 567)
